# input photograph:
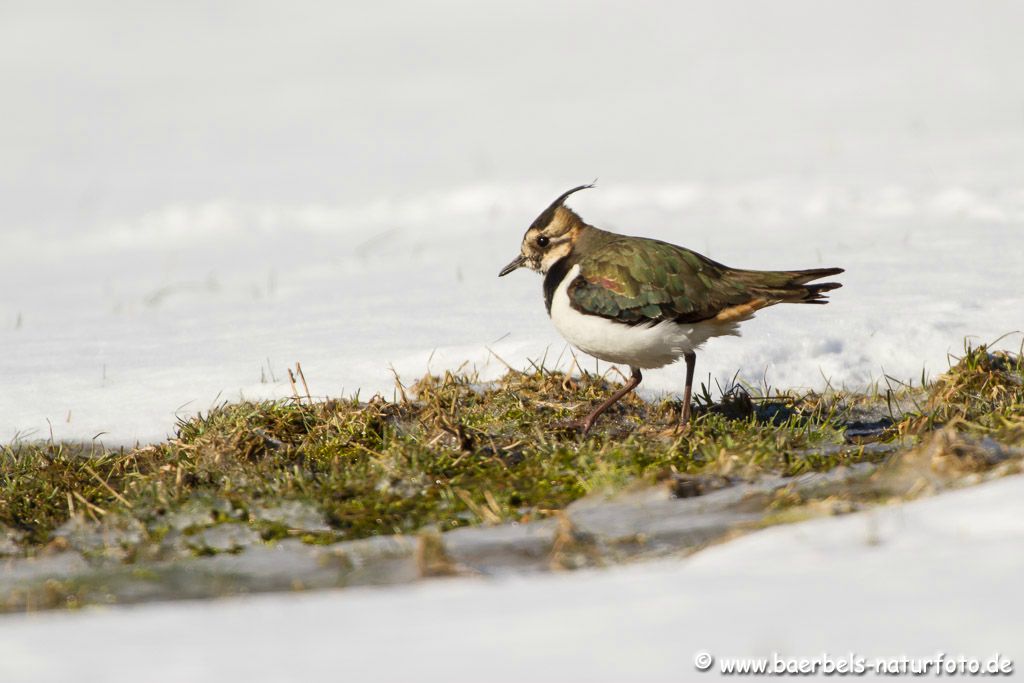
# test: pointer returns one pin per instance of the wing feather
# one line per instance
(635, 281)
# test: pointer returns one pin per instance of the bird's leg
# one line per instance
(691, 363)
(634, 380)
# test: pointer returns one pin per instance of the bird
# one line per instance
(643, 302)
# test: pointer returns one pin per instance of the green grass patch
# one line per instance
(453, 451)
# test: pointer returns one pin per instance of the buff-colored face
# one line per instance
(544, 246)
(549, 239)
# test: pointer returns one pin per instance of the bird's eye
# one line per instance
(543, 241)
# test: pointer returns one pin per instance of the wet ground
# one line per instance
(206, 555)
(209, 548)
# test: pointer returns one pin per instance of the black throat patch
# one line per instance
(556, 273)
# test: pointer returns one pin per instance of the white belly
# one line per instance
(641, 346)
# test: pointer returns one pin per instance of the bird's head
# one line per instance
(550, 237)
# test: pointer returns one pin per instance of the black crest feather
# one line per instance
(549, 212)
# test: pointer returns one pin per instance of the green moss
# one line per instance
(461, 452)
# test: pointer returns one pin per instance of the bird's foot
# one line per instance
(681, 426)
(675, 430)
(581, 427)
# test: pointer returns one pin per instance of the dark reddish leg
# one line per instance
(634, 379)
(691, 363)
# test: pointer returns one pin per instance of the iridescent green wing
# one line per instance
(635, 280)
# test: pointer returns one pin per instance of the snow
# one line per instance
(119, 330)
(936, 575)
(194, 198)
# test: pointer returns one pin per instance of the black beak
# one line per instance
(517, 263)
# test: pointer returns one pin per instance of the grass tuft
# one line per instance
(983, 393)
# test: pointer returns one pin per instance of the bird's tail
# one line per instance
(791, 286)
(770, 287)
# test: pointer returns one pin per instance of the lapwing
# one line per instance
(643, 302)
